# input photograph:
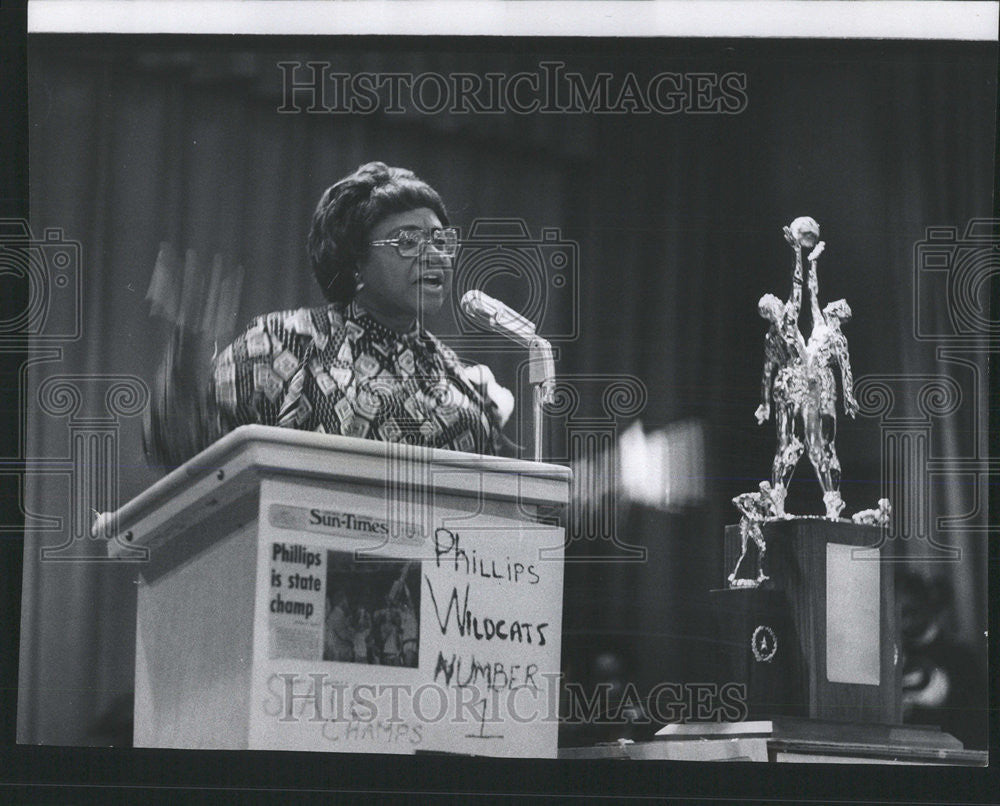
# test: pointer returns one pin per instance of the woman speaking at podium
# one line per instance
(363, 365)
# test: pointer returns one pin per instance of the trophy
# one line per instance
(807, 622)
(806, 617)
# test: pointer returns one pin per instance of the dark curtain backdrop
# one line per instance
(678, 219)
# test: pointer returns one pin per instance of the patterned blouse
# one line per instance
(336, 370)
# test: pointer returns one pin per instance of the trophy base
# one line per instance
(817, 639)
(811, 740)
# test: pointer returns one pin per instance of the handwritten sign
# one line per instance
(442, 640)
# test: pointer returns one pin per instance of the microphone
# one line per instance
(494, 315)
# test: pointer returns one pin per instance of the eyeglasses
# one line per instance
(412, 242)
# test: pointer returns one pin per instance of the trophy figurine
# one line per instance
(799, 388)
(875, 517)
(755, 508)
(799, 379)
(806, 617)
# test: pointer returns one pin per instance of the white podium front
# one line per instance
(305, 591)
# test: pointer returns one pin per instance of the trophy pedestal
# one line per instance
(818, 639)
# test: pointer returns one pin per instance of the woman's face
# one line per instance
(398, 289)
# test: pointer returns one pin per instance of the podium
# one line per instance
(306, 591)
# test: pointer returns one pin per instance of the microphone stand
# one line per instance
(542, 377)
(494, 315)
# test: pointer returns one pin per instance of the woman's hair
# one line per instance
(349, 210)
